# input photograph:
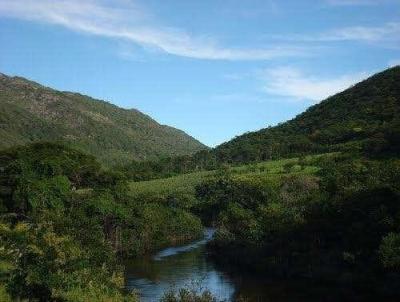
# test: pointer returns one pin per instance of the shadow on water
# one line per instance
(190, 266)
(178, 267)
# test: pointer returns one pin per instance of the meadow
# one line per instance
(185, 184)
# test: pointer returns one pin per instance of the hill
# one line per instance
(363, 117)
(30, 112)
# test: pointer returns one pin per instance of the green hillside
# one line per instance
(186, 183)
(365, 116)
(30, 112)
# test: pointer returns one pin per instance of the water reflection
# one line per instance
(178, 267)
(189, 265)
(208, 234)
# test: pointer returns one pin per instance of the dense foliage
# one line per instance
(188, 295)
(342, 225)
(30, 112)
(363, 117)
(169, 166)
(64, 221)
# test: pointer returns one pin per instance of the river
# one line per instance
(189, 266)
(176, 267)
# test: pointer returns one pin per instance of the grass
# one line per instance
(181, 184)
(4, 296)
(186, 183)
(5, 267)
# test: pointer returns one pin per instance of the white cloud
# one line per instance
(97, 17)
(388, 32)
(291, 82)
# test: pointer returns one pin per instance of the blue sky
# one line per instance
(213, 68)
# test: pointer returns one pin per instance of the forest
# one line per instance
(66, 222)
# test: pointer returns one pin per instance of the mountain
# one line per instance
(364, 117)
(30, 112)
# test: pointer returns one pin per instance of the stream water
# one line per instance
(189, 266)
(177, 267)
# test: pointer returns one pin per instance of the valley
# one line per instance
(307, 208)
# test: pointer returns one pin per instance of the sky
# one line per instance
(213, 68)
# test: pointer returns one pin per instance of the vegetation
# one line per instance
(49, 194)
(30, 112)
(186, 183)
(341, 225)
(316, 197)
(180, 190)
(363, 117)
(169, 166)
(188, 295)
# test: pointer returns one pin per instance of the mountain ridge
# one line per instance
(32, 112)
(367, 112)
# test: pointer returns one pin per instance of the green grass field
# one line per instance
(186, 183)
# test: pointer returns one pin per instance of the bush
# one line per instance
(389, 251)
(188, 295)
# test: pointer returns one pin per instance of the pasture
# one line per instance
(185, 184)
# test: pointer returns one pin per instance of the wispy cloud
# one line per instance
(291, 82)
(388, 32)
(97, 17)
